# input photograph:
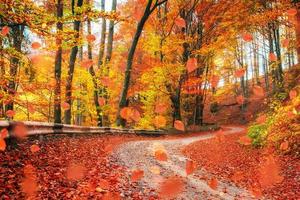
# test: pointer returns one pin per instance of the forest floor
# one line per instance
(124, 167)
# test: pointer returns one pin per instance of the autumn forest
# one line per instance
(210, 87)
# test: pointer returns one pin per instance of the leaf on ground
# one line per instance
(136, 175)
(171, 187)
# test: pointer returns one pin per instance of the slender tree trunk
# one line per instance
(58, 63)
(298, 32)
(103, 37)
(111, 33)
(140, 26)
(17, 36)
(72, 61)
(93, 74)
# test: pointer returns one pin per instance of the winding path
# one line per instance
(139, 155)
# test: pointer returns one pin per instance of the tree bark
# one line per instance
(103, 37)
(111, 33)
(58, 62)
(93, 74)
(72, 61)
(140, 26)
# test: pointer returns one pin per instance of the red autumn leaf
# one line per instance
(160, 108)
(284, 146)
(65, 106)
(213, 183)
(160, 155)
(2, 144)
(269, 172)
(239, 73)
(293, 94)
(191, 65)
(136, 175)
(20, 131)
(214, 81)
(190, 167)
(4, 133)
(125, 113)
(272, 57)
(35, 45)
(159, 121)
(5, 31)
(75, 171)
(247, 37)
(90, 38)
(245, 140)
(171, 187)
(285, 43)
(240, 99)
(180, 22)
(258, 91)
(10, 113)
(101, 101)
(261, 119)
(87, 63)
(292, 12)
(34, 148)
(179, 125)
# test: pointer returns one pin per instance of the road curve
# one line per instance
(139, 155)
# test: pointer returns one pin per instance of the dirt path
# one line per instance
(139, 155)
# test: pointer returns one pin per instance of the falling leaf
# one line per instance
(35, 45)
(269, 172)
(190, 167)
(213, 183)
(160, 108)
(240, 73)
(240, 99)
(179, 125)
(292, 12)
(284, 146)
(65, 106)
(75, 171)
(192, 65)
(101, 101)
(5, 31)
(87, 63)
(160, 155)
(220, 136)
(155, 170)
(245, 140)
(29, 186)
(20, 131)
(136, 175)
(34, 148)
(261, 119)
(4, 133)
(272, 57)
(135, 115)
(159, 121)
(2, 144)
(180, 22)
(293, 94)
(285, 43)
(171, 187)
(258, 91)
(10, 113)
(247, 37)
(90, 38)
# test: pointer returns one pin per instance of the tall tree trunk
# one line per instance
(298, 32)
(140, 26)
(58, 62)
(93, 74)
(17, 36)
(111, 33)
(72, 61)
(103, 37)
